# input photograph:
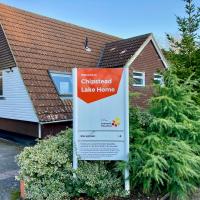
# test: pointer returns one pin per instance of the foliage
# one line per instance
(184, 53)
(47, 171)
(93, 179)
(15, 195)
(164, 142)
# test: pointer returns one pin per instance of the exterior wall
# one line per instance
(16, 110)
(53, 129)
(20, 127)
(15, 103)
(149, 62)
(32, 128)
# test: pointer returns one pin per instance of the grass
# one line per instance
(15, 195)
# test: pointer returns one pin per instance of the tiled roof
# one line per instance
(40, 44)
(117, 53)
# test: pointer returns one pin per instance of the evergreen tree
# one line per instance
(165, 142)
(184, 53)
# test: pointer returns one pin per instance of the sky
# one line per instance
(123, 18)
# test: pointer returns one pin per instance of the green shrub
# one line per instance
(15, 195)
(47, 171)
(96, 181)
(165, 141)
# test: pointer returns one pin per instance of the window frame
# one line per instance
(161, 80)
(139, 77)
(1, 77)
(57, 89)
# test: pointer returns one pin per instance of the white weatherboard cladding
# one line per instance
(16, 103)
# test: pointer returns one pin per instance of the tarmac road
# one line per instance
(10, 146)
(8, 168)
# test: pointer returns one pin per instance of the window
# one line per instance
(63, 83)
(1, 83)
(139, 79)
(158, 79)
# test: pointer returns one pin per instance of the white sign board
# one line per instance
(100, 117)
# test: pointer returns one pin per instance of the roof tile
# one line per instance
(40, 44)
(117, 53)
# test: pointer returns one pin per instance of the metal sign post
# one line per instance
(126, 173)
(75, 119)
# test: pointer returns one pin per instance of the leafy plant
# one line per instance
(184, 52)
(96, 181)
(164, 141)
(15, 195)
(47, 171)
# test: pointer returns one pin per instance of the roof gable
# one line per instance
(124, 52)
(117, 53)
(6, 57)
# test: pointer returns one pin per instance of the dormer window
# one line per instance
(63, 83)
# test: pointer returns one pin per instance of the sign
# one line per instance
(100, 121)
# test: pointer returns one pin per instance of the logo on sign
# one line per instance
(116, 122)
(109, 124)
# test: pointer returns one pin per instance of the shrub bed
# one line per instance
(165, 141)
(47, 171)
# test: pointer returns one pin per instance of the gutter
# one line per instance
(53, 122)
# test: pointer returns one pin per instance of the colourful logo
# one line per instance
(116, 122)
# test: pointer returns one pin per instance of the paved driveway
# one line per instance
(8, 168)
(10, 145)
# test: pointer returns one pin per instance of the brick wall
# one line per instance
(53, 129)
(149, 62)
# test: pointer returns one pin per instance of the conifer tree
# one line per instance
(165, 142)
(184, 53)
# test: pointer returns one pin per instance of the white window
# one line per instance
(63, 83)
(139, 79)
(158, 79)
(1, 83)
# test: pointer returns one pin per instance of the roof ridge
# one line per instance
(139, 36)
(56, 20)
(131, 38)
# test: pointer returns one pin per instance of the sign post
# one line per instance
(126, 173)
(75, 119)
(101, 115)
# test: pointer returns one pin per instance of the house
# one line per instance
(36, 57)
